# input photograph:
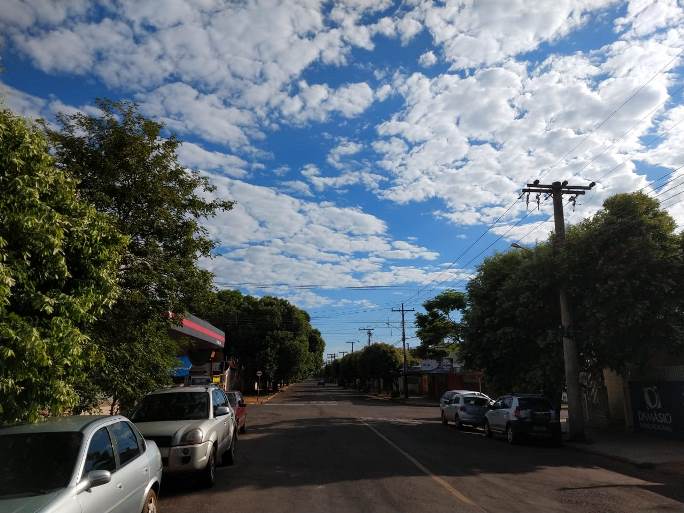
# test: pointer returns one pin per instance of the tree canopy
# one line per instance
(59, 259)
(438, 331)
(129, 170)
(622, 269)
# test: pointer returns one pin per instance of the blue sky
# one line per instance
(369, 144)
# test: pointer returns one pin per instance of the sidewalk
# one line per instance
(642, 450)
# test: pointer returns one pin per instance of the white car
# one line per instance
(78, 464)
(465, 408)
(194, 427)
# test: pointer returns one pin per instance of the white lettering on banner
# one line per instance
(654, 418)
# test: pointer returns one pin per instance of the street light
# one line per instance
(518, 246)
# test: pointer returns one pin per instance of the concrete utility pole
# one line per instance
(403, 343)
(352, 342)
(570, 357)
(369, 331)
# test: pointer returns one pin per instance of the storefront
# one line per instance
(203, 357)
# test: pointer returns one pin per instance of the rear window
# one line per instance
(473, 400)
(173, 406)
(534, 404)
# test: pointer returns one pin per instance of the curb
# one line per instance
(589, 450)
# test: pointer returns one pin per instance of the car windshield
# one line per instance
(173, 406)
(534, 403)
(475, 400)
(37, 463)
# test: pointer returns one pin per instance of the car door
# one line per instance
(494, 416)
(452, 407)
(222, 422)
(133, 469)
(107, 498)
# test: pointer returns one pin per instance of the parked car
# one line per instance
(194, 427)
(237, 402)
(449, 394)
(520, 415)
(79, 464)
(466, 408)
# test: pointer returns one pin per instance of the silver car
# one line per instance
(465, 408)
(194, 427)
(79, 464)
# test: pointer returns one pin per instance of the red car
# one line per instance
(238, 403)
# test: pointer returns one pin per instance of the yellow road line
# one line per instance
(453, 491)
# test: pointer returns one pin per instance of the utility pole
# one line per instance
(352, 342)
(369, 331)
(570, 357)
(403, 343)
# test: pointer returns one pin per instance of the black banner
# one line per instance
(658, 407)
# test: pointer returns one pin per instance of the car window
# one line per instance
(534, 403)
(100, 455)
(173, 406)
(219, 398)
(232, 399)
(475, 400)
(507, 402)
(456, 400)
(126, 442)
(37, 463)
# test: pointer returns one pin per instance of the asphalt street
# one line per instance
(329, 449)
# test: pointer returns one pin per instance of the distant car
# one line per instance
(520, 415)
(321, 382)
(237, 402)
(78, 464)
(446, 397)
(466, 409)
(194, 427)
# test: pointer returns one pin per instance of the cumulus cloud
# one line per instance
(318, 101)
(427, 59)
(195, 157)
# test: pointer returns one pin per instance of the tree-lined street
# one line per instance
(331, 449)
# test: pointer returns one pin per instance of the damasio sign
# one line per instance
(658, 407)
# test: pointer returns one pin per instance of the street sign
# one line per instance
(259, 373)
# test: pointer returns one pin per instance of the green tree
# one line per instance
(379, 361)
(130, 171)
(437, 330)
(58, 267)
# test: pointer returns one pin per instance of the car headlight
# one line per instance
(192, 437)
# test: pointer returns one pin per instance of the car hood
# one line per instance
(173, 428)
(30, 504)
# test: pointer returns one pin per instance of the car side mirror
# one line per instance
(221, 410)
(94, 478)
(241, 403)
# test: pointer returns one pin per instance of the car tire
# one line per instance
(229, 457)
(150, 505)
(444, 419)
(209, 472)
(459, 425)
(511, 437)
(487, 429)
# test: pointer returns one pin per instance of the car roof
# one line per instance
(464, 392)
(188, 388)
(69, 423)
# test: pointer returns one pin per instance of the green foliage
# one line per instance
(128, 170)
(437, 330)
(377, 361)
(268, 334)
(622, 269)
(58, 265)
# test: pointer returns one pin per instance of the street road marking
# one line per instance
(453, 491)
(302, 403)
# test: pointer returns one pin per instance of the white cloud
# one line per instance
(195, 157)
(344, 149)
(644, 17)
(298, 187)
(318, 101)
(427, 59)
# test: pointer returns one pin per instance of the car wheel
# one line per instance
(209, 472)
(150, 505)
(488, 430)
(459, 425)
(230, 455)
(511, 436)
(244, 427)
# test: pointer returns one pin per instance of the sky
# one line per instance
(375, 149)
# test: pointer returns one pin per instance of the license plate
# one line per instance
(539, 428)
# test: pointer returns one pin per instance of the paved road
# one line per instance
(327, 449)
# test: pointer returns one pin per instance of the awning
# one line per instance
(201, 331)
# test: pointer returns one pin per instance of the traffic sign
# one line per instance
(259, 373)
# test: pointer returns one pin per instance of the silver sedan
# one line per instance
(79, 464)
